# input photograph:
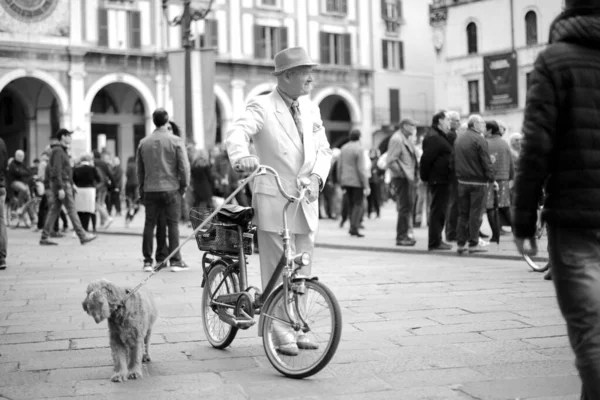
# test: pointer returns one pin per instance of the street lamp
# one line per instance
(185, 20)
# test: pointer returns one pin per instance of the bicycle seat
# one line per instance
(235, 214)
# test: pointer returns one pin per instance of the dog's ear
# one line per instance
(84, 304)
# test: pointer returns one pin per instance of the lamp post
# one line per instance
(185, 20)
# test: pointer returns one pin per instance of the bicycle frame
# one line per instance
(283, 267)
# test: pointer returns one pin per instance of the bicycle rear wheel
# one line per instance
(321, 311)
(221, 280)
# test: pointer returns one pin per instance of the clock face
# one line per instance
(29, 10)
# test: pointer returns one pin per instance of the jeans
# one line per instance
(157, 203)
(3, 235)
(575, 259)
(24, 195)
(356, 199)
(54, 207)
(452, 216)
(405, 199)
(438, 193)
(101, 193)
(471, 204)
(420, 199)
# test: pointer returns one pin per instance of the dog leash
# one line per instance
(163, 264)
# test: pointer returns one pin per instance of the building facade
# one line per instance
(100, 67)
(485, 52)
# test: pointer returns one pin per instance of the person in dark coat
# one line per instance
(132, 198)
(3, 235)
(452, 215)
(86, 176)
(435, 170)
(202, 180)
(115, 193)
(561, 155)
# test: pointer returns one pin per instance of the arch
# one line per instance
(531, 28)
(54, 84)
(259, 89)
(224, 102)
(472, 38)
(353, 106)
(142, 89)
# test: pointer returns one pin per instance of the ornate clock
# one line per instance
(29, 10)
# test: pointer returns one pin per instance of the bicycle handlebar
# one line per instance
(267, 170)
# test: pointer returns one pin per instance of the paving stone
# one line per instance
(37, 390)
(528, 369)
(80, 374)
(433, 377)
(195, 366)
(23, 338)
(526, 333)
(475, 317)
(522, 388)
(426, 340)
(33, 347)
(492, 326)
(429, 313)
(67, 359)
(551, 342)
(88, 333)
(45, 327)
(22, 378)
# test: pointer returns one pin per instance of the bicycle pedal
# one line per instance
(245, 323)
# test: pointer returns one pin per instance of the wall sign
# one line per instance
(500, 80)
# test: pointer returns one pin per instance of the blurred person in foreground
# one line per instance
(288, 135)
(561, 155)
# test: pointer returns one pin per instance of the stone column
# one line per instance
(82, 136)
(366, 125)
(125, 141)
(237, 97)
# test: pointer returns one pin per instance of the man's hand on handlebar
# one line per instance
(247, 164)
(313, 189)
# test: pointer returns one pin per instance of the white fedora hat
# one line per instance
(291, 58)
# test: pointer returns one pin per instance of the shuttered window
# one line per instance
(336, 48)
(474, 106)
(135, 29)
(102, 27)
(336, 6)
(269, 40)
(394, 106)
(392, 54)
(210, 37)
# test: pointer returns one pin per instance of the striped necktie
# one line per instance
(297, 119)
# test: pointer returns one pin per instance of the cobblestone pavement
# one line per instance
(416, 327)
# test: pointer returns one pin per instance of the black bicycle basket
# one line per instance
(219, 237)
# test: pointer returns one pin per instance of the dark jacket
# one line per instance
(202, 182)
(86, 176)
(117, 176)
(17, 171)
(561, 131)
(131, 174)
(472, 162)
(3, 163)
(104, 170)
(501, 156)
(435, 161)
(59, 168)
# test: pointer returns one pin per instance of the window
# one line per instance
(102, 27)
(394, 106)
(271, 3)
(472, 38)
(135, 31)
(391, 12)
(531, 34)
(268, 41)
(210, 37)
(393, 54)
(527, 81)
(336, 6)
(335, 48)
(474, 97)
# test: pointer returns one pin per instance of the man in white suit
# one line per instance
(288, 135)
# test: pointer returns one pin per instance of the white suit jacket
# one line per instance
(269, 123)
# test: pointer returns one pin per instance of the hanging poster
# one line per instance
(500, 80)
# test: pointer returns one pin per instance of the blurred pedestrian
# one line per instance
(560, 155)
(402, 164)
(435, 170)
(3, 235)
(202, 180)
(163, 175)
(60, 174)
(102, 189)
(354, 180)
(375, 183)
(452, 215)
(503, 171)
(132, 199)
(473, 169)
(86, 177)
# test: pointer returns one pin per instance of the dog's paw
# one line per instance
(135, 375)
(118, 377)
(146, 358)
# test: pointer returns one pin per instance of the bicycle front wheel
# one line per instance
(534, 265)
(321, 311)
(221, 280)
